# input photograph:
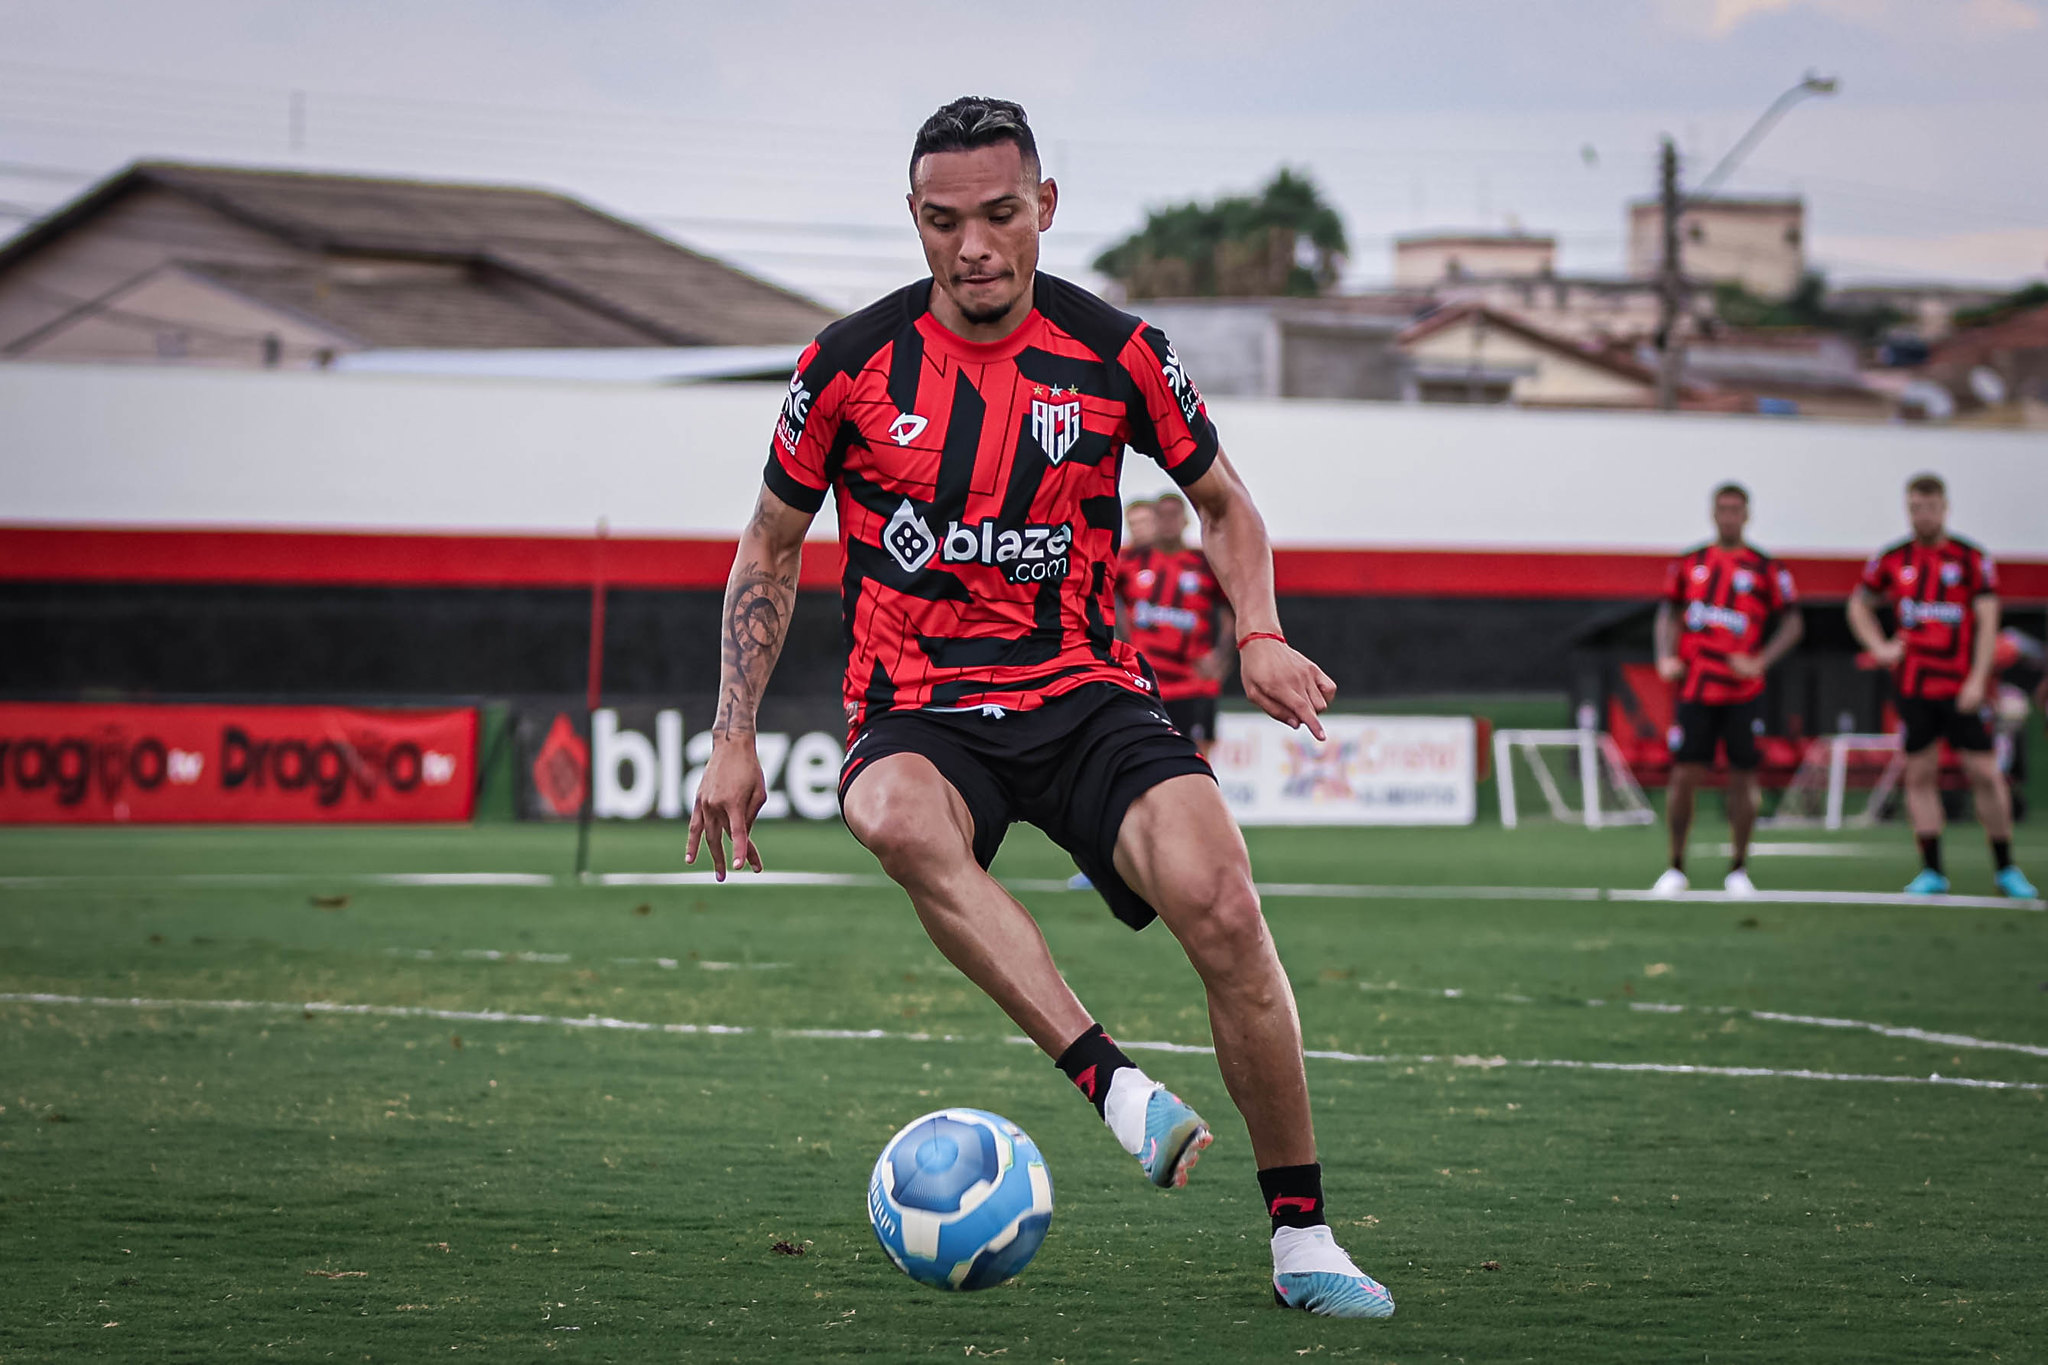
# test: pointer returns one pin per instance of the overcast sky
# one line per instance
(775, 134)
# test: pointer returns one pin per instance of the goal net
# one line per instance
(1578, 777)
(1843, 782)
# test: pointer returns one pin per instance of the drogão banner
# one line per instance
(1374, 770)
(646, 759)
(85, 763)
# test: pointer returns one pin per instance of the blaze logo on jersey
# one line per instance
(907, 427)
(1025, 554)
(909, 539)
(1056, 426)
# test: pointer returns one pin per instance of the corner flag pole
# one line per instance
(593, 697)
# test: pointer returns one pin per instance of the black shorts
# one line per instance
(1072, 767)
(1927, 720)
(1700, 728)
(1194, 717)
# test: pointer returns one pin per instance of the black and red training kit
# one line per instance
(976, 490)
(1933, 591)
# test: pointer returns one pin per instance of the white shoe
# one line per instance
(1672, 883)
(1737, 883)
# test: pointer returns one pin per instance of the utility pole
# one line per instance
(1670, 282)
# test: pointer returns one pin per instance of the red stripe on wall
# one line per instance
(381, 559)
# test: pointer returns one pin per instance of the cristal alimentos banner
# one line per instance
(86, 763)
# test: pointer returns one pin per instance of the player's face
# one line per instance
(979, 214)
(1172, 520)
(1730, 516)
(1928, 512)
(1141, 526)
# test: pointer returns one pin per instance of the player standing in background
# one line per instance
(1943, 592)
(972, 429)
(1717, 602)
(1175, 612)
(1141, 523)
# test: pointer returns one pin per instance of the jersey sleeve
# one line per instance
(1674, 583)
(1876, 576)
(1168, 420)
(804, 433)
(1784, 592)
(1986, 574)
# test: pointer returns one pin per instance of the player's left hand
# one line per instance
(1745, 665)
(1286, 685)
(1212, 667)
(1971, 698)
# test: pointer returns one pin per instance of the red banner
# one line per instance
(92, 763)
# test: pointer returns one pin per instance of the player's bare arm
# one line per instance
(1670, 667)
(1790, 630)
(1280, 680)
(759, 597)
(1983, 653)
(1864, 625)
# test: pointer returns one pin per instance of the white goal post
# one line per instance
(1564, 763)
(1818, 795)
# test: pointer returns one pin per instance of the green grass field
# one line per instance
(187, 1182)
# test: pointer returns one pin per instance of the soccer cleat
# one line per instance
(1672, 883)
(1174, 1138)
(1312, 1273)
(1079, 882)
(1737, 883)
(2014, 883)
(1928, 883)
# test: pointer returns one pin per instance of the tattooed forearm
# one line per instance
(758, 600)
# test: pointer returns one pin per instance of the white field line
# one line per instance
(601, 1022)
(1283, 890)
(1781, 849)
(500, 955)
(1918, 1035)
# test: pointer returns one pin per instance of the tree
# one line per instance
(1284, 240)
(1807, 307)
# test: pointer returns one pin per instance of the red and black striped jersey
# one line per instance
(976, 486)
(1724, 598)
(1932, 591)
(1170, 598)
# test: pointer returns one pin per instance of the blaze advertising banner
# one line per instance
(88, 763)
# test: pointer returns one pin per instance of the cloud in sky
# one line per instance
(1971, 18)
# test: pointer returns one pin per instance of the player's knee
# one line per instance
(909, 844)
(1228, 931)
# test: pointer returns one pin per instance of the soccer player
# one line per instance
(1943, 592)
(1176, 614)
(1718, 600)
(971, 429)
(1141, 523)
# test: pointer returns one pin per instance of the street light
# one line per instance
(1671, 277)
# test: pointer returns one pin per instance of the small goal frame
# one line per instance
(1597, 751)
(1825, 764)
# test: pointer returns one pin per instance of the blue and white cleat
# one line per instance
(1079, 882)
(1312, 1273)
(1174, 1138)
(2014, 883)
(1928, 883)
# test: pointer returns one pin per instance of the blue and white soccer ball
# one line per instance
(960, 1199)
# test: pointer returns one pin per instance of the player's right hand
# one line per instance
(1889, 653)
(1285, 684)
(1671, 668)
(729, 796)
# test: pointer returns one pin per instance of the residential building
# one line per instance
(1339, 347)
(1468, 353)
(1426, 259)
(1759, 244)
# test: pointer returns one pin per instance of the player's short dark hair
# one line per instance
(974, 121)
(1927, 483)
(1732, 490)
(1170, 496)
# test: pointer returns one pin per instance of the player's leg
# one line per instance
(1921, 724)
(1179, 849)
(1741, 795)
(1694, 736)
(1992, 799)
(918, 826)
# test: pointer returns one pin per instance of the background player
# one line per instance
(972, 428)
(1141, 523)
(1717, 601)
(1175, 612)
(1943, 592)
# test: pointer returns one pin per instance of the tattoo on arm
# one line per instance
(759, 598)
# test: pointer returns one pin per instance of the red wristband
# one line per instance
(1262, 635)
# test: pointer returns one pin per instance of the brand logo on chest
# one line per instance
(1056, 424)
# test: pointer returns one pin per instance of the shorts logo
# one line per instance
(1025, 554)
(907, 427)
(909, 539)
(1055, 426)
(796, 409)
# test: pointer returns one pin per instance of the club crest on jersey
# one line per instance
(1025, 554)
(1056, 426)
(1190, 581)
(1951, 574)
(907, 427)
(1744, 580)
(909, 539)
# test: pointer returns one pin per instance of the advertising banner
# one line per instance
(646, 762)
(89, 763)
(1374, 770)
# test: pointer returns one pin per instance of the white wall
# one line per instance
(112, 445)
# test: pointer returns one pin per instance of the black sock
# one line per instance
(1294, 1195)
(2001, 853)
(1930, 851)
(1678, 862)
(1090, 1061)
(1739, 861)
